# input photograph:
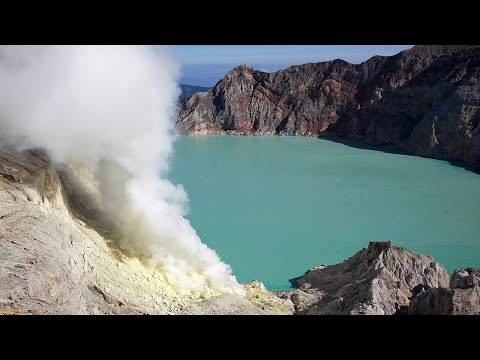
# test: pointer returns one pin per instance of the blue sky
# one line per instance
(204, 65)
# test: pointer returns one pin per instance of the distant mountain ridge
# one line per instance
(425, 100)
(189, 90)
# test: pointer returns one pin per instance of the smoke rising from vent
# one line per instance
(114, 107)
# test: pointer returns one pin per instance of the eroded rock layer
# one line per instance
(425, 100)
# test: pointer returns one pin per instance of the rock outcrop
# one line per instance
(55, 259)
(377, 280)
(425, 100)
(462, 298)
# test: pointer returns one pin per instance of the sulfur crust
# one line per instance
(54, 262)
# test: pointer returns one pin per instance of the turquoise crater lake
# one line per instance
(273, 207)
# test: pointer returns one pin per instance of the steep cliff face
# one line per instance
(424, 99)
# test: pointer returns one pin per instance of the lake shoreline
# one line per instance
(323, 199)
(355, 142)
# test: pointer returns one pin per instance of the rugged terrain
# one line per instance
(462, 297)
(55, 258)
(383, 279)
(424, 100)
(376, 280)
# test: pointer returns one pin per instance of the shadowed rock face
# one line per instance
(425, 100)
(376, 280)
(463, 297)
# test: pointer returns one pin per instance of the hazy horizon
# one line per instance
(205, 65)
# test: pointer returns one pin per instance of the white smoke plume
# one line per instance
(114, 103)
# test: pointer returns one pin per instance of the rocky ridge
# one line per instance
(424, 100)
(383, 279)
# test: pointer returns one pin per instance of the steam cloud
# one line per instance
(114, 105)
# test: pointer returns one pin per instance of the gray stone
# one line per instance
(463, 297)
(464, 279)
(434, 301)
(376, 280)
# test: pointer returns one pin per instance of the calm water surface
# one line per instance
(273, 207)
